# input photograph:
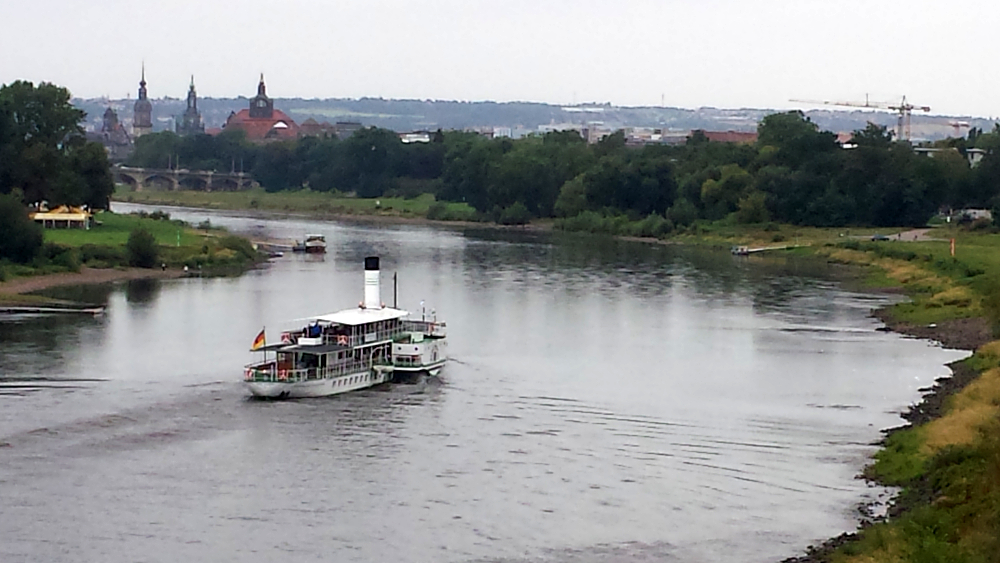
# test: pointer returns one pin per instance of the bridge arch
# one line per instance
(225, 184)
(192, 182)
(129, 180)
(159, 182)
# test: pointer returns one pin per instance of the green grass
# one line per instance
(114, 230)
(900, 460)
(301, 201)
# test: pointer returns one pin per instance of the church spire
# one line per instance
(261, 89)
(142, 111)
(142, 83)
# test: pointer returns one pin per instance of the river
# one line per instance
(608, 401)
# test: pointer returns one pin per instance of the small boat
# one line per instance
(315, 244)
(740, 250)
(349, 350)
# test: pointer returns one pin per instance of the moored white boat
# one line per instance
(313, 244)
(348, 350)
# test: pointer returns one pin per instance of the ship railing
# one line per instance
(362, 339)
(428, 328)
(269, 373)
(408, 361)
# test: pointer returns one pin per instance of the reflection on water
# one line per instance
(141, 291)
(608, 401)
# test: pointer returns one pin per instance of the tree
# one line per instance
(20, 237)
(142, 249)
(42, 115)
(42, 149)
(572, 198)
(873, 135)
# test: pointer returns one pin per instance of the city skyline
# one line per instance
(635, 53)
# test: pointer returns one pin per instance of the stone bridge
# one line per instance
(140, 179)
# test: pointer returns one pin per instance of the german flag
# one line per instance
(258, 342)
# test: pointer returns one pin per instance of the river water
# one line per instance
(608, 401)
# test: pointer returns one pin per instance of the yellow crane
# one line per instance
(904, 108)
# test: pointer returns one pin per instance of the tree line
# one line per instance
(794, 173)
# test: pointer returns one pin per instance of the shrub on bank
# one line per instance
(142, 250)
(59, 256)
(240, 247)
(103, 256)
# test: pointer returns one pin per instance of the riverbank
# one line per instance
(307, 203)
(10, 290)
(946, 459)
(103, 254)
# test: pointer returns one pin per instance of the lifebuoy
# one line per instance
(282, 375)
(341, 339)
(248, 374)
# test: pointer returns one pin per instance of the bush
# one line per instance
(516, 214)
(240, 246)
(57, 255)
(142, 249)
(102, 256)
(682, 213)
(437, 211)
(20, 237)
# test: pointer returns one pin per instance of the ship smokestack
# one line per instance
(373, 299)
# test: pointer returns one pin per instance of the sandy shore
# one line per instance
(85, 276)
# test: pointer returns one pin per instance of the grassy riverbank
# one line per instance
(305, 202)
(947, 460)
(100, 254)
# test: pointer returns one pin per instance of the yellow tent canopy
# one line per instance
(64, 217)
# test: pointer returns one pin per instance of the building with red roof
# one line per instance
(261, 122)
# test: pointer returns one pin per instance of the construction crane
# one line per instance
(904, 108)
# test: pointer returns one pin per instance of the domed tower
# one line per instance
(260, 105)
(142, 112)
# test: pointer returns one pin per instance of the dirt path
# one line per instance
(915, 235)
(83, 277)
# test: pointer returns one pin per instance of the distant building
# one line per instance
(312, 128)
(742, 137)
(190, 123)
(415, 137)
(347, 129)
(261, 122)
(142, 111)
(112, 136)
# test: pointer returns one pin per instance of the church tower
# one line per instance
(260, 105)
(190, 123)
(142, 112)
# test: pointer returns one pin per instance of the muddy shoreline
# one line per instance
(959, 334)
(86, 276)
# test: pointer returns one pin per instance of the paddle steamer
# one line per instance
(351, 349)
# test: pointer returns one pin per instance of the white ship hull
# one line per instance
(317, 387)
(433, 368)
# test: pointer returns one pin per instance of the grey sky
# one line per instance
(723, 53)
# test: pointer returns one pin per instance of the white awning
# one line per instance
(359, 316)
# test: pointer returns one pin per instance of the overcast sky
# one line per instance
(723, 53)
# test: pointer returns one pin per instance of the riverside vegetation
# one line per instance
(44, 157)
(946, 462)
(794, 174)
